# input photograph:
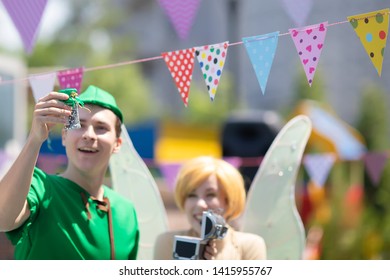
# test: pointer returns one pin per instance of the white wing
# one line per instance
(271, 210)
(132, 178)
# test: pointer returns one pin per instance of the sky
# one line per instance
(53, 17)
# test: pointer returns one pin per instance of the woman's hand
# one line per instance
(48, 111)
(210, 250)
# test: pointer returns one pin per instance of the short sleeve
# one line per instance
(34, 196)
(134, 251)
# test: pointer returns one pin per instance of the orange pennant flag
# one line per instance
(372, 29)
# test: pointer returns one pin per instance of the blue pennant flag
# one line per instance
(261, 50)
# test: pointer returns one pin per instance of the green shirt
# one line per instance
(63, 226)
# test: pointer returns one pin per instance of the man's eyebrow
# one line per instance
(102, 122)
(98, 122)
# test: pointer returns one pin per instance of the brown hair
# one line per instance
(118, 127)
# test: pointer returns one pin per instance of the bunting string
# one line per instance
(124, 63)
(102, 67)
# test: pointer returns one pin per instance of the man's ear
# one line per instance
(63, 136)
(117, 145)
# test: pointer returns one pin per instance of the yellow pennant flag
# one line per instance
(372, 29)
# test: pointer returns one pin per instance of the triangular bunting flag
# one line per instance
(309, 42)
(318, 166)
(42, 84)
(261, 51)
(211, 59)
(298, 10)
(181, 13)
(26, 15)
(372, 29)
(71, 78)
(181, 64)
(375, 163)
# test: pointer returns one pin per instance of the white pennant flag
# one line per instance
(42, 84)
(211, 60)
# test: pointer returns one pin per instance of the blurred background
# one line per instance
(346, 215)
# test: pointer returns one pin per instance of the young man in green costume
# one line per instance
(71, 215)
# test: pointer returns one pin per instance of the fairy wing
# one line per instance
(132, 178)
(271, 210)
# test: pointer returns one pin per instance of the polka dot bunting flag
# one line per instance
(372, 29)
(261, 51)
(211, 59)
(181, 64)
(71, 78)
(309, 42)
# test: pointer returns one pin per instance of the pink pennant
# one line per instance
(298, 10)
(181, 13)
(375, 163)
(235, 161)
(71, 78)
(42, 84)
(181, 64)
(309, 42)
(211, 60)
(26, 15)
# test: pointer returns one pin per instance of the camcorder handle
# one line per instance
(192, 248)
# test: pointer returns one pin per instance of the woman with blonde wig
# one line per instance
(206, 183)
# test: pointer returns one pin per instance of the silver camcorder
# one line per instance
(191, 248)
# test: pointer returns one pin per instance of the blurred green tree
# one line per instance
(362, 232)
(374, 125)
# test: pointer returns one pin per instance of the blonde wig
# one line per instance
(196, 171)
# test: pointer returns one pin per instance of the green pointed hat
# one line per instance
(97, 96)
